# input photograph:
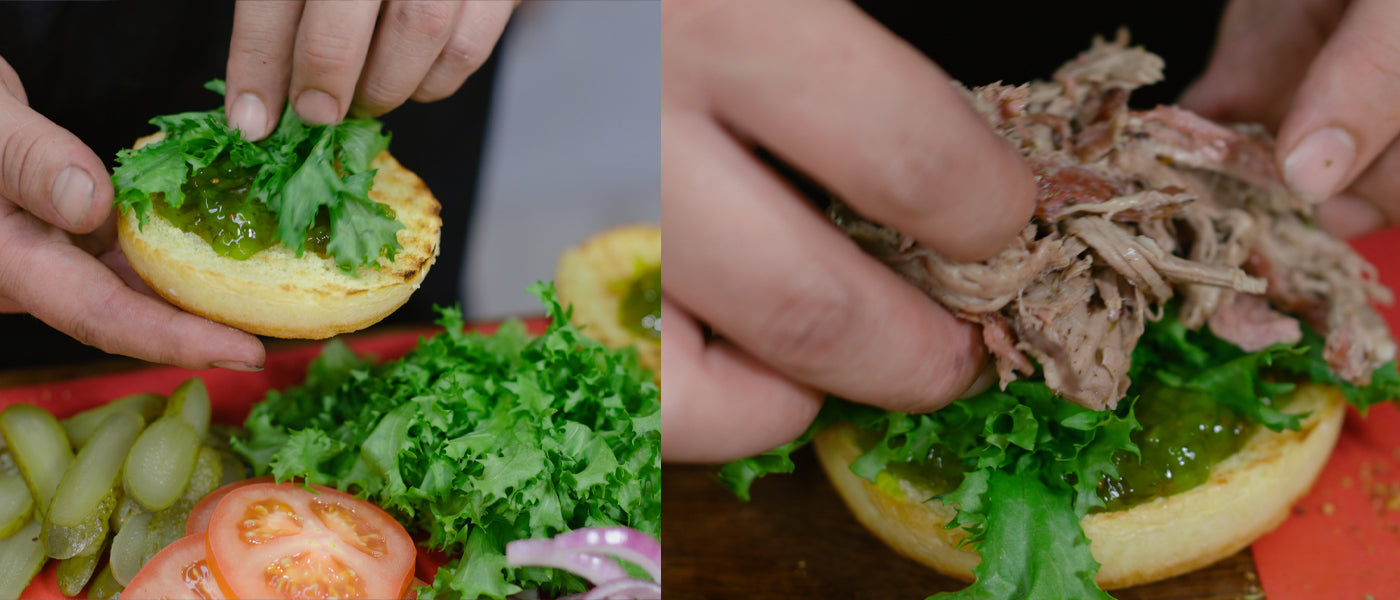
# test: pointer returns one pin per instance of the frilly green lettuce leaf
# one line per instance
(476, 440)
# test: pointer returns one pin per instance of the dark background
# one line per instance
(982, 42)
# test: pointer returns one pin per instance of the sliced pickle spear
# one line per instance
(94, 472)
(233, 468)
(67, 541)
(160, 463)
(7, 460)
(81, 426)
(16, 504)
(167, 526)
(126, 508)
(190, 402)
(73, 573)
(21, 557)
(104, 586)
(129, 548)
(40, 448)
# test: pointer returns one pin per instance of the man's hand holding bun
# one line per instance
(796, 309)
(57, 251)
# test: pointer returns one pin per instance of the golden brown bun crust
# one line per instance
(275, 293)
(592, 277)
(1247, 495)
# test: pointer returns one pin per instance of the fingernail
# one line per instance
(249, 115)
(1348, 216)
(316, 106)
(72, 194)
(1317, 165)
(236, 365)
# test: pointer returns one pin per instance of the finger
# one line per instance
(721, 404)
(260, 64)
(1370, 204)
(479, 26)
(751, 259)
(331, 46)
(843, 100)
(1262, 51)
(9, 82)
(410, 37)
(49, 171)
(71, 291)
(1345, 112)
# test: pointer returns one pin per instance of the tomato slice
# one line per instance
(178, 572)
(285, 541)
(202, 512)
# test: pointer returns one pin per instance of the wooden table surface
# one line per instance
(796, 539)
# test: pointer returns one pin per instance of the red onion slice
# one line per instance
(562, 552)
(624, 589)
(596, 568)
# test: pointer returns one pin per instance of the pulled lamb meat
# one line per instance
(1135, 208)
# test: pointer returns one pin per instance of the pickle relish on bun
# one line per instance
(311, 232)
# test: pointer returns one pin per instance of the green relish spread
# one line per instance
(217, 209)
(1184, 434)
(304, 186)
(640, 309)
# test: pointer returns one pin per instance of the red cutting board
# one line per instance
(1343, 540)
(231, 393)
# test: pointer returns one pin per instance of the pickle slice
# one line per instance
(129, 548)
(40, 448)
(7, 460)
(81, 426)
(16, 504)
(126, 508)
(167, 526)
(94, 472)
(67, 541)
(73, 573)
(190, 402)
(233, 468)
(160, 463)
(104, 586)
(21, 557)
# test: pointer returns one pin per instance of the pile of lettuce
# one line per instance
(1033, 461)
(301, 170)
(476, 440)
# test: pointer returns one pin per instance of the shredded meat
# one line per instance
(1135, 209)
(1250, 323)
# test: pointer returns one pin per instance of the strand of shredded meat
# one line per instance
(1135, 208)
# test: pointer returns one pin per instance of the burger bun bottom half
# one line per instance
(276, 293)
(1246, 495)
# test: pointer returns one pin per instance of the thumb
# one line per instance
(44, 168)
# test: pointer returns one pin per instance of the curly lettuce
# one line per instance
(476, 440)
(1032, 462)
(302, 170)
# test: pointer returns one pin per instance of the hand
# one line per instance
(358, 56)
(1324, 74)
(59, 259)
(799, 311)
